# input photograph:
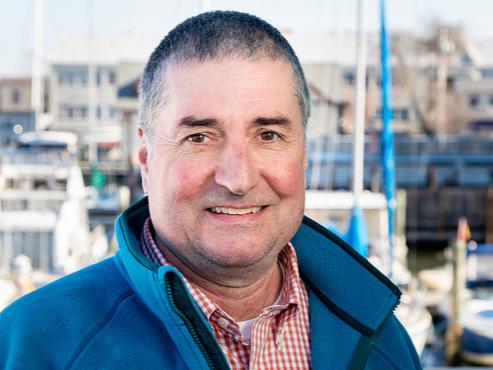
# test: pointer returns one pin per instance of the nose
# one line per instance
(236, 169)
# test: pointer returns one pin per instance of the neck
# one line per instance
(244, 302)
(242, 299)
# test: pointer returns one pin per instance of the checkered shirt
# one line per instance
(280, 337)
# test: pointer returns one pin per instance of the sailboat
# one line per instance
(371, 215)
(477, 323)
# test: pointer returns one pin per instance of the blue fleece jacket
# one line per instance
(128, 313)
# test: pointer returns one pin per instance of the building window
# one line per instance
(112, 112)
(348, 77)
(111, 77)
(65, 78)
(473, 101)
(82, 77)
(74, 76)
(83, 112)
(15, 96)
(98, 77)
(73, 113)
(401, 114)
(487, 72)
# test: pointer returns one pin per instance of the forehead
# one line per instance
(231, 86)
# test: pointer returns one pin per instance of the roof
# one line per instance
(16, 81)
(485, 51)
(103, 50)
(331, 48)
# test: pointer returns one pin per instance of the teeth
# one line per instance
(235, 211)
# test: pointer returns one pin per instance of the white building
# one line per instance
(84, 92)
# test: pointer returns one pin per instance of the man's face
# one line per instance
(225, 175)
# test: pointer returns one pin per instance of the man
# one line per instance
(217, 267)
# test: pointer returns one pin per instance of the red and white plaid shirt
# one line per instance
(280, 337)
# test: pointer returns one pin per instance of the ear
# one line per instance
(144, 156)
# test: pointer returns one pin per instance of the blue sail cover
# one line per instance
(387, 136)
(357, 234)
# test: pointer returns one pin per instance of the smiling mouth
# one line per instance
(235, 211)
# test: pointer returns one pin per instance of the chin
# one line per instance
(239, 256)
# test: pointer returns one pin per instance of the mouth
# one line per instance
(235, 211)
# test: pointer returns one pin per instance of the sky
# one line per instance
(157, 17)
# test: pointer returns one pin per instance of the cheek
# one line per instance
(187, 179)
(290, 180)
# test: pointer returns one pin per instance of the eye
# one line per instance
(268, 136)
(197, 138)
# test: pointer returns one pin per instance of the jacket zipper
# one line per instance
(190, 328)
(361, 363)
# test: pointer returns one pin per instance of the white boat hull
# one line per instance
(477, 337)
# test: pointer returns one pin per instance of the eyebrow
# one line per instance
(264, 121)
(191, 121)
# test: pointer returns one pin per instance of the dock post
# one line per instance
(454, 329)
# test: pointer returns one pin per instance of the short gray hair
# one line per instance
(209, 36)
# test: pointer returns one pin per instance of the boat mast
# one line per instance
(357, 234)
(37, 85)
(92, 91)
(359, 111)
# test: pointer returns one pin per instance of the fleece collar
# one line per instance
(342, 279)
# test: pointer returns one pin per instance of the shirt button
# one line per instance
(223, 323)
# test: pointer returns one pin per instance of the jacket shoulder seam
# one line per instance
(97, 328)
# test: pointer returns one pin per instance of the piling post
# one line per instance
(454, 329)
